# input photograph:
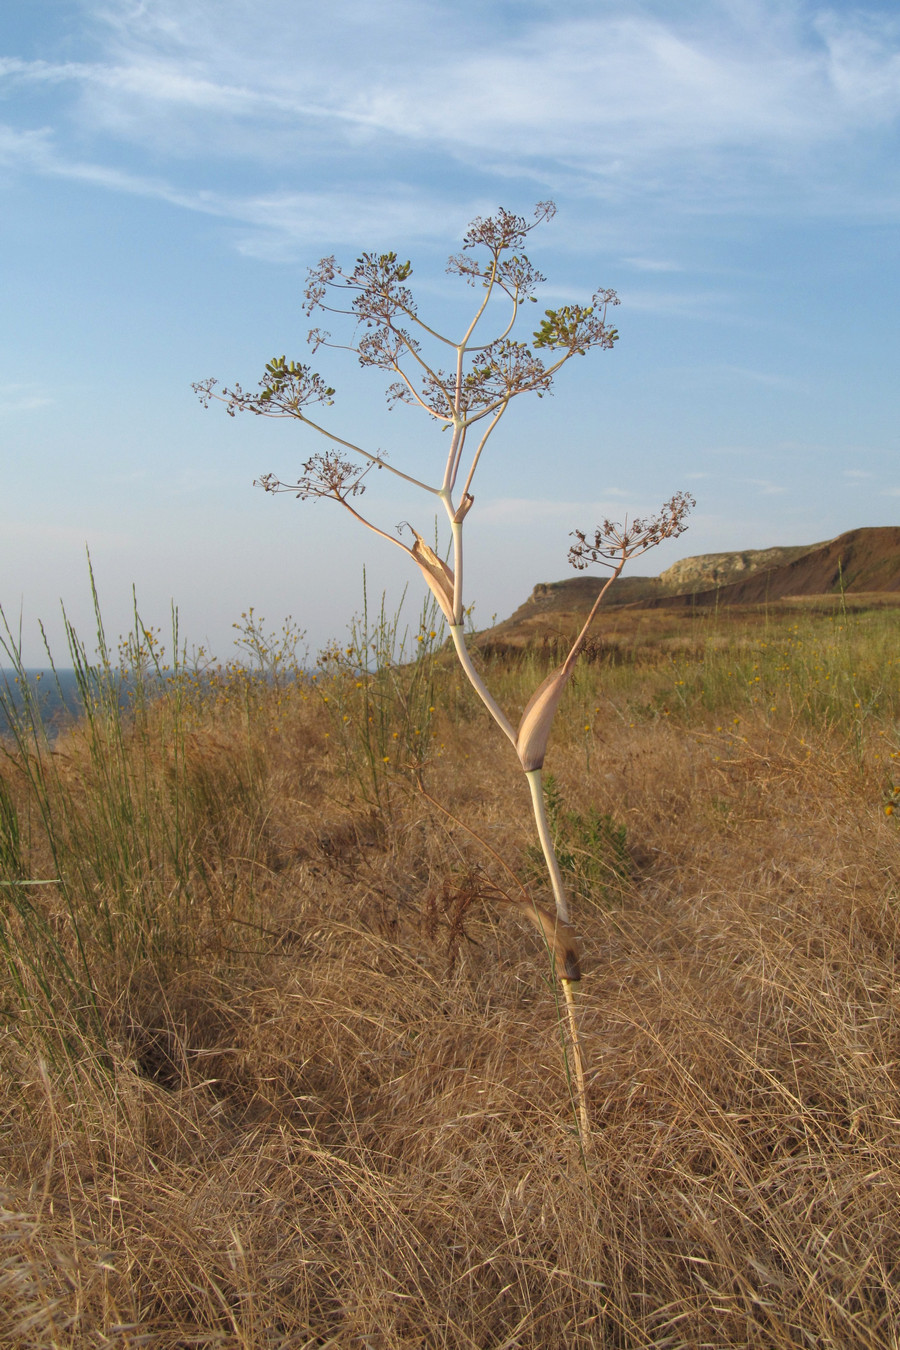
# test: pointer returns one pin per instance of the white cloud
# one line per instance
(23, 147)
(766, 487)
(701, 106)
(162, 84)
(15, 398)
(863, 63)
(280, 220)
(696, 304)
(653, 265)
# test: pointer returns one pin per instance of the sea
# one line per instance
(55, 692)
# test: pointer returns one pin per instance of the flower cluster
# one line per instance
(327, 475)
(613, 543)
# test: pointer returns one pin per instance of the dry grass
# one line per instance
(286, 1123)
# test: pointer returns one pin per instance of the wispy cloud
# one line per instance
(694, 304)
(766, 486)
(280, 221)
(653, 265)
(17, 398)
(708, 106)
(763, 377)
(164, 84)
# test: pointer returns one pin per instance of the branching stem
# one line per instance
(465, 660)
(482, 443)
(367, 454)
(479, 386)
(456, 529)
(374, 528)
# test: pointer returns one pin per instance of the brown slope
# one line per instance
(861, 560)
(688, 576)
(577, 593)
(721, 569)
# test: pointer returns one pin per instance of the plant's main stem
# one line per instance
(562, 909)
(535, 785)
(543, 829)
(584, 1117)
(456, 530)
(559, 893)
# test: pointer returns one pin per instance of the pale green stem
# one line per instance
(562, 910)
(543, 828)
(456, 530)
(500, 411)
(447, 485)
(461, 346)
(358, 450)
(465, 660)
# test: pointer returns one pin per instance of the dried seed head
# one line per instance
(327, 475)
(614, 544)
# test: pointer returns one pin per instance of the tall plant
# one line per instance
(465, 384)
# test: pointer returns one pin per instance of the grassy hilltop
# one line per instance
(280, 1062)
(854, 568)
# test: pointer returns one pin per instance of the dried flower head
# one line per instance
(614, 544)
(327, 475)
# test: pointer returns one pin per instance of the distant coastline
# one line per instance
(55, 692)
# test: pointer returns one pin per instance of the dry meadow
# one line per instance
(281, 1063)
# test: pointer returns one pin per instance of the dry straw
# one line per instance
(468, 396)
(287, 1126)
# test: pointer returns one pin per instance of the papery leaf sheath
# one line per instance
(438, 575)
(537, 719)
(561, 941)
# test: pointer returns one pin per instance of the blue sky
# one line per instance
(169, 169)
